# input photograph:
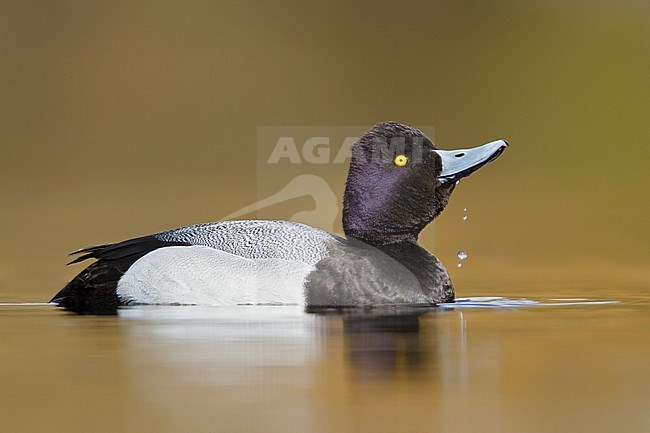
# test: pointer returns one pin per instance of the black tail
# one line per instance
(93, 291)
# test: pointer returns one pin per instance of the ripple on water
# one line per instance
(501, 302)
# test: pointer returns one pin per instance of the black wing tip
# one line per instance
(89, 249)
(80, 259)
(122, 249)
(88, 253)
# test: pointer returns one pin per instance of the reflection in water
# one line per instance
(385, 342)
(482, 362)
(280, 360)
(226, 342)
(229, 342)
(222, 346)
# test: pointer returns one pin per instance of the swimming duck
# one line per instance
(398, 183)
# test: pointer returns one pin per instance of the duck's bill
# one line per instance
(463, 162)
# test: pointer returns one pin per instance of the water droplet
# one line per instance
(462, 255)
(459, 265)
(464, 217)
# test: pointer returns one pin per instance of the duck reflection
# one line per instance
(385, 342)
(225, 346)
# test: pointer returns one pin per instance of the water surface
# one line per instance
(490, 364)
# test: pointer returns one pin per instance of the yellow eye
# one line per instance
(401, 160)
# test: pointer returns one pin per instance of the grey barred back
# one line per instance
(256, 239)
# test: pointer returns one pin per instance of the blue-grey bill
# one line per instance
(462, 162)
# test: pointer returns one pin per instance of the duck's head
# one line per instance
(399, 181)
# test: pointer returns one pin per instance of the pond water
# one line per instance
(491, 364)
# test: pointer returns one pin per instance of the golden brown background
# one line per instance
(125, 118)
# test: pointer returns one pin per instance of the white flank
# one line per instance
(205, 276)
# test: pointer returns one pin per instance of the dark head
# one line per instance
(399, 182)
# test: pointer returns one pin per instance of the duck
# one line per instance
(398, 182)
